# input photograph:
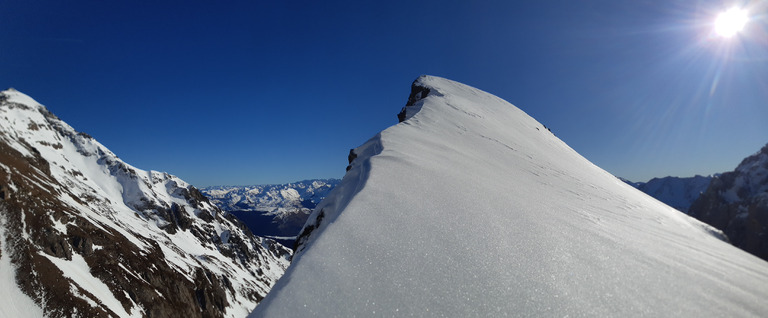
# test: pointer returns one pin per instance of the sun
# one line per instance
(730, 22)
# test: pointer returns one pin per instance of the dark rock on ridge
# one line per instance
(418, 92)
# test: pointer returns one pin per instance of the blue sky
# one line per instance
(277, 91)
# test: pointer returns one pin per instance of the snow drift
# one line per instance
(471, 208)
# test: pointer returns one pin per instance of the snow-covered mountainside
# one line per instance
(676, 192)
(736, 202)
(278, 211)
(83, 234)
(471, 208)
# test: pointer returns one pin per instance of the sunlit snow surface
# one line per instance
(471, 208)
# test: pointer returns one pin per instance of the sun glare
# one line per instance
(731, 22)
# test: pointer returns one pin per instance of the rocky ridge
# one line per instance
(91, 236)
(736, 202)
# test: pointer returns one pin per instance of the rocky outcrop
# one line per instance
(418, 92)
(737, 203)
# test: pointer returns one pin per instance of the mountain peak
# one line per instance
(757, 161)
(11, 95)
(470, 207)
(91, 235)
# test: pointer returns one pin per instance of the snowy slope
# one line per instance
(88, 235)
(736, 202)
(676, 192)
(277, 211)
(471, 208)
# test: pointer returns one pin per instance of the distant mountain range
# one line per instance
(676, 192)
(274, 210)
(84, 234)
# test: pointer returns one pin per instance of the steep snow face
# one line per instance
(278, 211)
(676, 192)
(471, 208)
(737, 203)
(89, 235)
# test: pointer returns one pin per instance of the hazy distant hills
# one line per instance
(676, 192)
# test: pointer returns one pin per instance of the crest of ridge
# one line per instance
(471, 208)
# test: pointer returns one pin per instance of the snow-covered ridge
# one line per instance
(471, 208)
(98, 236)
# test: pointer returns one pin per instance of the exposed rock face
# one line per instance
(92, 236)
(737, 203)
(418, 92)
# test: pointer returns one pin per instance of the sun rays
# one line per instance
(731, 22)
